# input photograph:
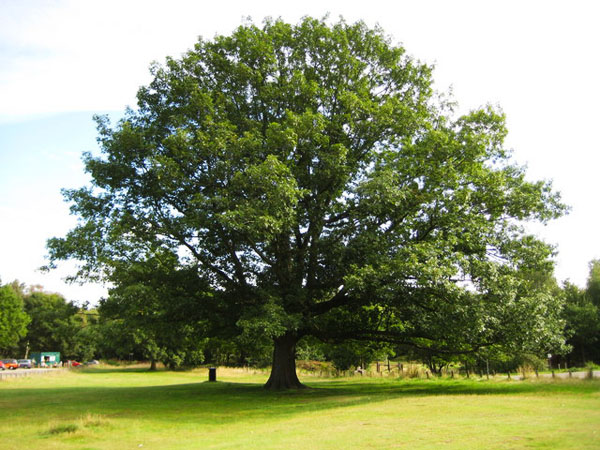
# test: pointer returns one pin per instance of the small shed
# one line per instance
(46, 359)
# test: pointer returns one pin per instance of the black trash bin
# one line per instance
(212, 374)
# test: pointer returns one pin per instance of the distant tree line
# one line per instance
(34, 320)
(582, 318)
(144, 322)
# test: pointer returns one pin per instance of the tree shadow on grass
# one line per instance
(91, 370)
(405, 388)
(226, 402)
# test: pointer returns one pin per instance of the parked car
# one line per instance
(25, 363)
(2, 366)
(11, 364)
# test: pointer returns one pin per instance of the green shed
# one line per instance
(46, 359)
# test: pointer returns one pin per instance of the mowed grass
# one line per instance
(104, 408)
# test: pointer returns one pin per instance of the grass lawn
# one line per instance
(100, 408)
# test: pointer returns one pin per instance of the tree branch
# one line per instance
(336, 301)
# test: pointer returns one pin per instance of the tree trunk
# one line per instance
(153, 364)
(283, 371)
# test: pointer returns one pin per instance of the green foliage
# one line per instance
(88, 338)
(304, 181)
(151, 310)
(13, 318)
(239, 351)
(310, 349)
(593, 283)
(55, 324)
(434, 361)
(352, 354)
(582, 316)
(496, 360)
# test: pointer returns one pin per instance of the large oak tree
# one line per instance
(315, 184)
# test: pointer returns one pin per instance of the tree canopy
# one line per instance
(313, 183)
(582, 316)
(54, 326)
(13, 319)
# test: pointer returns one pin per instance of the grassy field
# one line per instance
(104, 407)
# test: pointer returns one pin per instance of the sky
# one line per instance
(62, 61)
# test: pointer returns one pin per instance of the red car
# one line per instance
(2, 365)
(11, 364)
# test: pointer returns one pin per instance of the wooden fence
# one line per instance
(17, 373)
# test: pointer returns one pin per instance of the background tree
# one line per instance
(87, 338)
(117, 340)
(55, 324)
(13, 320)
(593, 282)
(582, 316)
(154, 302)
(308, 176)
(350, 355)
